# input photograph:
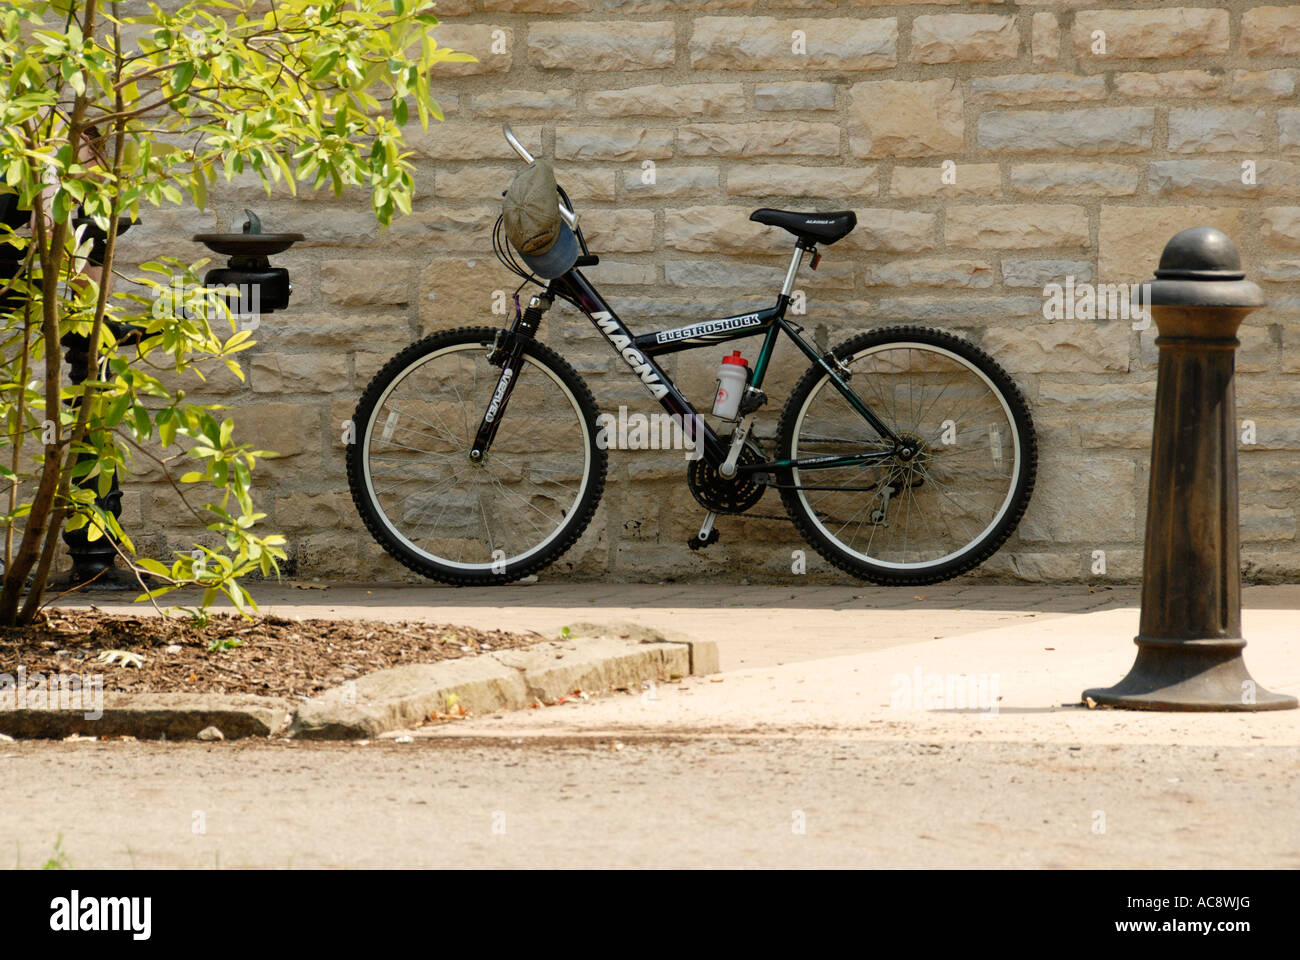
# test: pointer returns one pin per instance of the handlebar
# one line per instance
(568, 215)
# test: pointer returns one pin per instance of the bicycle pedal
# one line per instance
(695, 543)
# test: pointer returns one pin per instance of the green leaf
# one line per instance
(153, 566)
(166, 429)
(324, 67)
(143, 428)
(182, 77)
(199, 188)
(117, 410)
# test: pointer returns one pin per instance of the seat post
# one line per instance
(787, 288)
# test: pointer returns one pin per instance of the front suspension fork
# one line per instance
(508, 354)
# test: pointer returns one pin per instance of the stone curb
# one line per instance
(406, 696)
(153, 716)
(702, 654)
(594, 658)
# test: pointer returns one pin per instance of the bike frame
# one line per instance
(639, 353)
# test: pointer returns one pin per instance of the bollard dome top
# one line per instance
(1201, 267)
(1200, 253)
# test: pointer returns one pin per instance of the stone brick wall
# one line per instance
(1080, 136)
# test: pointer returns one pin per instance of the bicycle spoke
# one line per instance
(458, 512)
(449, 438)
(940, 496)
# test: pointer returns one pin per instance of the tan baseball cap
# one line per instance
(533, 223)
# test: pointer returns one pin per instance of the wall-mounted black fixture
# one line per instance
(249, 270)
(261, 288)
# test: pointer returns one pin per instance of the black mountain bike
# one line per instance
(903, 456)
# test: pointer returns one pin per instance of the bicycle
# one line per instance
(476, 459)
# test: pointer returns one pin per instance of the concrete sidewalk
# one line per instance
(799, 754)
(753, 625)
(1027, 681)
(856, 661)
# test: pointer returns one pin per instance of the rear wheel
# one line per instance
(464, 522)
(937, 504)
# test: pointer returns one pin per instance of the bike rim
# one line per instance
(940, 508)
(526, 472)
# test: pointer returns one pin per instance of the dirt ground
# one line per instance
(269, 656)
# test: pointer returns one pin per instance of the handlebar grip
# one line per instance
(515, 145)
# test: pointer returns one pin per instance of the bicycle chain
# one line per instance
(785, 516)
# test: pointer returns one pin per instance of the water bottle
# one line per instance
(733, 376)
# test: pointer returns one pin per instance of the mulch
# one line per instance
(267, 656)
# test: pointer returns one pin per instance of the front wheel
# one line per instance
(944, 498)
(479, 521)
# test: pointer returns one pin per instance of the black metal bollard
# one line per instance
(1189, 641)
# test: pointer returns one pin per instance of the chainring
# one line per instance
(721, 494)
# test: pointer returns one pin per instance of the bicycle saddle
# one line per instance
(809, 227)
